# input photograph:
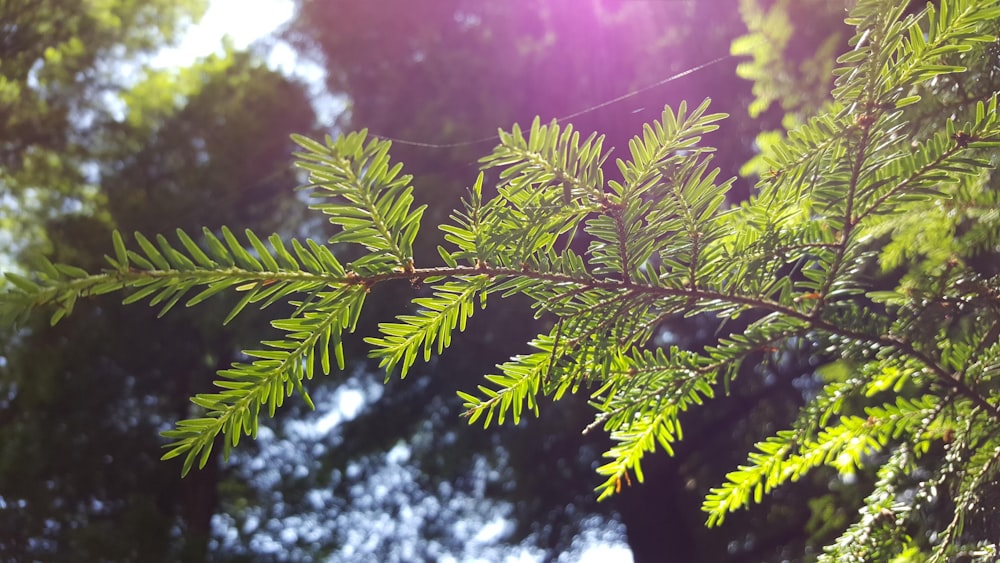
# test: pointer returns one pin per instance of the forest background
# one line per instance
(96, 140)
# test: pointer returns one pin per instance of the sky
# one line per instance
(245, 21)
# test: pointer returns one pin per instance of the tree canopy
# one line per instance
(88, 148)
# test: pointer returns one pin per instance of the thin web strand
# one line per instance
(584, 111)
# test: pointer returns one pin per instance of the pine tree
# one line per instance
(868, 240)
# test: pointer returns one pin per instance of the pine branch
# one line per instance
(452, 304)
(278, 371)
(785, 457)
(365, 196)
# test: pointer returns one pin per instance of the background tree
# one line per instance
(60, 64)
(79, 476)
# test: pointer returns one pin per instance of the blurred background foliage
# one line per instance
(96, 139)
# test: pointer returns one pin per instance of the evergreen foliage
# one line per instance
(852, 192)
